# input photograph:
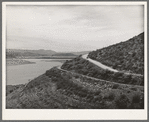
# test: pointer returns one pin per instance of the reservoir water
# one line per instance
(21, 74)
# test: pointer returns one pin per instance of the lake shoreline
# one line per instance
(19, 73)
(13, 62)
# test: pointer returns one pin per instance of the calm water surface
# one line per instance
(20, 74)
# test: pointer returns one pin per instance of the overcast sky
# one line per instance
(71, 28)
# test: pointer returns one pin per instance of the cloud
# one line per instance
(71, 27)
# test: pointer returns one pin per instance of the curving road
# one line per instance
(104, 66)
(98, 63)
(59, 67)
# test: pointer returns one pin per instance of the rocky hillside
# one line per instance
(84, 67)
(57, 89)
(127, 56)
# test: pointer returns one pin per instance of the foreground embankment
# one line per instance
(58, 89)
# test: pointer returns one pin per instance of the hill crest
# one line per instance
(123, 56)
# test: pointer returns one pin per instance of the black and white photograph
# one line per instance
(70, 57)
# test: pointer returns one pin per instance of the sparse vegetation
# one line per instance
(122, 101)
(60, 89)
(82, 66)
(11, 88)
(128, 55)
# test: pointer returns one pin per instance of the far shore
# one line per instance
(56, 60)
(21, 61)
(47, 57)
(12, 62)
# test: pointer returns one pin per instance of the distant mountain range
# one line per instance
(13, 53)
(63, 54)
(24, 53)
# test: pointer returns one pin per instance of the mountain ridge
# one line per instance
(13, 53)
(127, 56)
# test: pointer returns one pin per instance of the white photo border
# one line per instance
(71, 114)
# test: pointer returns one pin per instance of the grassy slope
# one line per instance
(58, 89)
(128, 55)
(84, 67)
(12, 88)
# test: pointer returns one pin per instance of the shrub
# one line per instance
(97, 93)
(118, 74)
(122, 101)
(76, 76)
(136, 98)
(11, 91)
(133, 88)
(90, 97)
(110, 96)
(97, 99)
(137, 101)
(115, 86)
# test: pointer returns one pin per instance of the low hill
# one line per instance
(14, 53)
(58, 89)
(127, 56)
(63, 54)
(11, 55)
(25, 53)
